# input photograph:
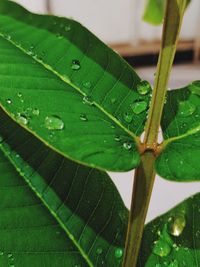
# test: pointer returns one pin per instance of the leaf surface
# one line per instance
(60, 213)
(173, 239)
(86, 96)
(179, 159)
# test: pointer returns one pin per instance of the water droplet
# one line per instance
(88, 100)
(186, 108)
(143, 87)
(177, 225)
(59, 36)
(117, 138)
(21, 118)
(1, 253)
(36, 112)
(195, 87)
(161, 248)
(139, 107)
(113, 100)
(19, 94)
(127, 145)
(54, 123)
(75, 64)
(198, 234)
(9, 101)
(99, 251)
(128, 117)
(10, 255)
(87, 85)
(83, 117)
(174, 263)
(67, 28)
(118, 253)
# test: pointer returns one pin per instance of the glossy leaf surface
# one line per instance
(89, 103)
(179, 159)
(173, 239)
(73, 216)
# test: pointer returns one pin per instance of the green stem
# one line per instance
(145, 174)
(143, 184)
(171, 29)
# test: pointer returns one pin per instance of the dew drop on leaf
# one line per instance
(198, 234)
(59, 36)
(67, 28)
(99, 251)
(36, 112)
(195, 87)
(139, 107)
(117, 138)
(9, 101)
(54, 123)
(113, 100)
(143, 87)
(21, 118)
(87, 84)
(128, 117)
(83, 117)
(127, 145)
(118, 253)
(75, 64)
(88, 100)
(161, 248)
(1, 253)
(177, 225)
(173, 263)
(19, 94)
(186, 108)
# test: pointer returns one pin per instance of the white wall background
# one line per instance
(115, 20)
(119, 21)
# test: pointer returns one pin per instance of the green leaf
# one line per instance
(154, 11)
(173, 239)
(83, 92)
(179, 159)
(73, 216)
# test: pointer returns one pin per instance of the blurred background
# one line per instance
(119, 24)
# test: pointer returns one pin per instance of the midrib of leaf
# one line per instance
(71, 237)
(64, 79)
(190, 132)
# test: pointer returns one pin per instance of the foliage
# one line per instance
(71, 109)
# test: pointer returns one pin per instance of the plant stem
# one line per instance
(143, 184)
(145, 173)
(172, 24)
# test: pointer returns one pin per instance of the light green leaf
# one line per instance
(70, 90)
(173, 239)
(73, 216)
(154, 11)
(179, 159)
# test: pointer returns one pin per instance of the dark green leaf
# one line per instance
(68, 88)
(173, 239)
(73, 216)
(179, 159)
(154, 11)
